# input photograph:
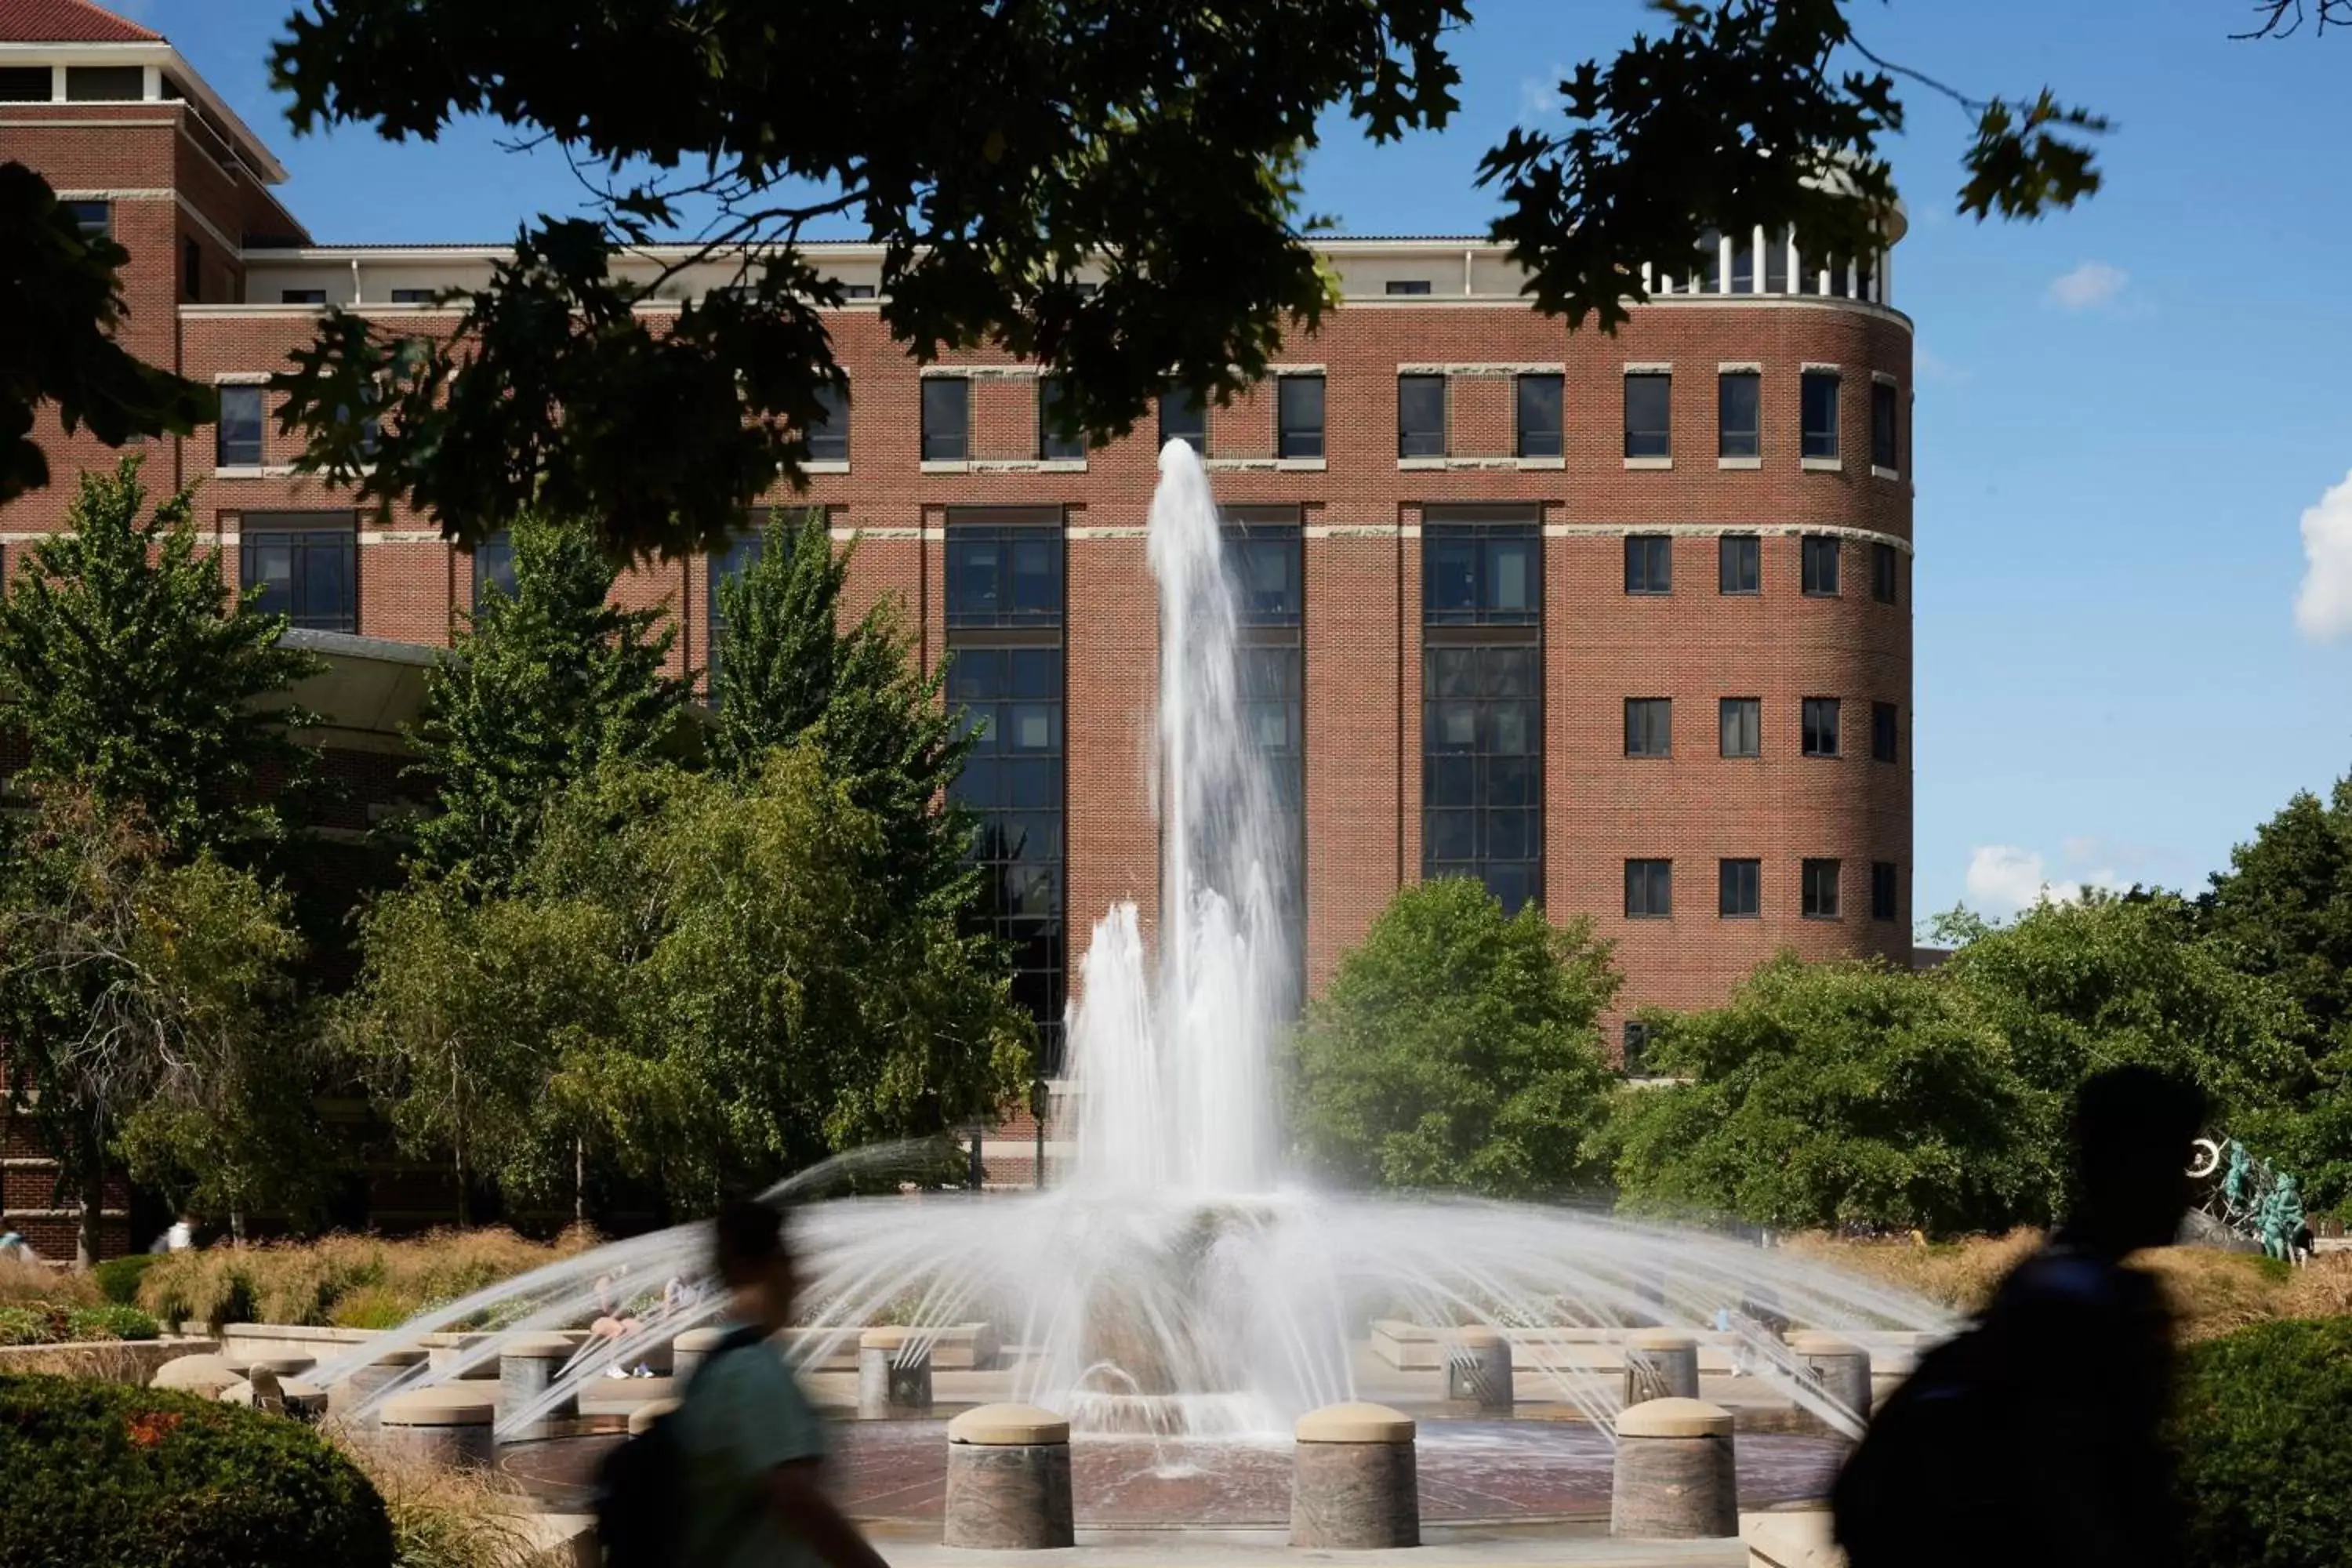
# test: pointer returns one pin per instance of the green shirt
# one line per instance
(744, 1414)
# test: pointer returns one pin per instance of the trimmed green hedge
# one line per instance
(104, 1473)
(2264, 1433)
(118, 1278)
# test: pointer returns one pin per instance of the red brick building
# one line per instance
(1619, 623)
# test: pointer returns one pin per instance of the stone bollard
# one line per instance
(449, 1423)
(527, 1367)
(1353, 1483)
(371, 1380)
(1660, 1365)
(1674, 1479)
(1479, 1368)
(689, 1350)
(245, 1363)
(894, 1373)
(1840, 1367)
(201, 1376)
(1009, 1479)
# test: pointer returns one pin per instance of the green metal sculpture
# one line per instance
(2251, 1199)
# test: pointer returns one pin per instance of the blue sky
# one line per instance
(2124, 413)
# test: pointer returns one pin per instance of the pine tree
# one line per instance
(540, 687)
(788, 672)
(132, 673)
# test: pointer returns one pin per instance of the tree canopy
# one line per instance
(1459, 1049)
(132, 672)
(993, 153)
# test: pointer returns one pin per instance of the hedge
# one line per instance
(2265, 1447)
(118, 1278)
(50, 1323)
(103, 1473)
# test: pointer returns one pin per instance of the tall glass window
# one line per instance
(1268, 561)
(1738, 414)
(494, 566)
(1886, 452)
(1482, 702)
(1649, 415)
(1298, 416)
(828, 437)
(1820, 408)
(1004, 611)
(1538, 415)
(236, 441)
(1420, 417)
(306, 565)
(1184, 416)
(947, 419)
(1053, 445)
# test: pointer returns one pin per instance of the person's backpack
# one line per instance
(641, 1485)
(1914, 1491)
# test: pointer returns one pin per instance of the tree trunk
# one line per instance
(237, 1225)
(92, 1209)
(580, 1182)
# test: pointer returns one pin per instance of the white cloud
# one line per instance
(1539, 98)
(2323, 606)
(2089, 285)
(2003, 880)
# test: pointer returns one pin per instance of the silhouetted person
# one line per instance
(749, 1438)
(2034, 1439)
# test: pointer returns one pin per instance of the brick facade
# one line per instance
(1362, 507)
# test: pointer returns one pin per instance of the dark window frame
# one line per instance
(192, 270)
(301, 296)
(1820, 722)
(1440, 536)
(1646, 441)
(1294, 440)
(1740, 560)
(1052, 447)
(1649, 727)
(1820, 565)
(1885, 572)
(1421, 441)
(1817, 438)
(310, 539)
(249, 451)
(1649, 564)
(493, 567)
(91, 218)
(1649, 889)
(1633, 1048)
(1730, 441)
(1745, 713)
(828, 435)
(939, 443)
(1739, 888)
(1539, 432)
(1886, 732)
(1818, 891)
(1481, 784)
(1398, 288)
(1184, 416)
(1021, 541)
(1885, 891)
(1885, 426)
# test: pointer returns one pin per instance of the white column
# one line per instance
(1886, 279)
(1647, 287)
(355, 279)
(1465, 274)
(1756, 273)
(57, 84)
(1852, 280)
(1796, 265)
(151, 83)
(1723, 264)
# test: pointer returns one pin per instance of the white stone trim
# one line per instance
(1720, 530)
(1653, 464)
(1740, 463)
(1740, 367)
(266, 471)
(400, 536)
(1297, 370)
(1649, 367)
(244, 378)
(1815, 367)
(825, 465)
(127, 193)
(980, 373)
(961, 465)
(1878, 473)
(1484, 368)
(1351, 531)
(1082, 535)
(1011, 465)
(1884, 378)
(1822, 465)
(188, 207)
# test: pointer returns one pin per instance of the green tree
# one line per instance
(1459, 1049)
(60, 306)
(536, 691)
(130, 671)
(994, 152)
(128, 982)
(789, 671)
(1833, 1094)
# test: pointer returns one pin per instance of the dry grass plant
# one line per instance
(102, 1362)
(22, 1284)
(444, 1518)
(358, 1281)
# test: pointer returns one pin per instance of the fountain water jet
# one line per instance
(1173, 1280)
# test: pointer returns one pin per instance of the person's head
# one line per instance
(2131, 1132)
(752, 1258)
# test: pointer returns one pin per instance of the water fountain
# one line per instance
(1175, 1283)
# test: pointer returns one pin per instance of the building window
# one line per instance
(1740, 563)
(1407, 285)
(1420, 417)
(1821, 724)
(1267, 570)
(1298, 416)
(1003, 577)
(1481, 738)
(1649, 889)
(1739, 889)
(1482, 703)
(1706, 264)
(1820, 413)
(105, 84)
(494, 567)
(1821, 891)
(1481, 573)
(947, 419)
(856, 291)
(1649, 726)
(1184, 416)
(1820, 565)
(236, 440)
(1882, 890)
(1883, 573)
(828, 437)
(1776, 261)
(1649, 405)
(1884, 453)
(1741, 721)
(1265, 554)
(1005, 671)
(1539, 416)
(91, 218)
(1053, 445)
(416, 296)
(1883, 725)
(192, 271)
(1738, 414)
(23, 84)
(1633, 1053)
(304, 564)
(1648, 564)
(301, 296)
